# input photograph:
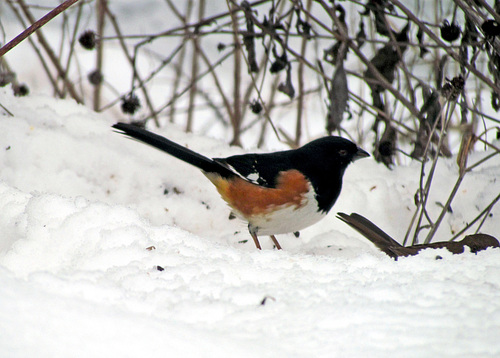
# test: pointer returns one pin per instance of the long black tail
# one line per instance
(206, 164)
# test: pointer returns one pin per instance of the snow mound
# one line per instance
(110, 248)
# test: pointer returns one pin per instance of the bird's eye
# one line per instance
(343, 152)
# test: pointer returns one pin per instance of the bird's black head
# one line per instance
(333, 151)
(324, 161)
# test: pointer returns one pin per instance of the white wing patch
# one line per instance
(253, 178)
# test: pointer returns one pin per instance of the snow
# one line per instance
(81, 205)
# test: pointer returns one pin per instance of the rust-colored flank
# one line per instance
(251, 199)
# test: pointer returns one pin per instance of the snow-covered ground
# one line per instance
(80, 206)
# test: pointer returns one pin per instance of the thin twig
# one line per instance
(43, 62)
(481, 214)
(131, 60)
(194, 70)
(35, 26)
(73, 39)
(48, 49)
(236, 119)
(101, 15)
(447, 49)
(180, 63)
(300, 75)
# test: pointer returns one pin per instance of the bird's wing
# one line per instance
(259, 169)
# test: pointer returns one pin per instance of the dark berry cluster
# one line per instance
(130, 104)
(88, 40)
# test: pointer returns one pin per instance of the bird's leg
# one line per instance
(253, 233)
(256, 241)
(276, 243)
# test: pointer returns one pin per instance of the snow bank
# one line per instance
(110, 248)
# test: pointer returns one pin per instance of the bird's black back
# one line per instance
(261, 169)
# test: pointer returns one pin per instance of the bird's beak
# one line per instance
(360, 154)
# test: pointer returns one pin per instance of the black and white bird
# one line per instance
(276, 193)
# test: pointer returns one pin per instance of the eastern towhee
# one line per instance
(276, 193)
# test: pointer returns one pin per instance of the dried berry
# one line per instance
(88, 40)
(453, 88)
(385, 148)
(491, 28)
(130, 104)
(221, 46)
(287, 88)
(256, 106)
(280, 63)
(21, 90)
(277, 65)
(95, 77)
(450, 32)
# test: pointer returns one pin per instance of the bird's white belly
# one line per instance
(288, 218)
